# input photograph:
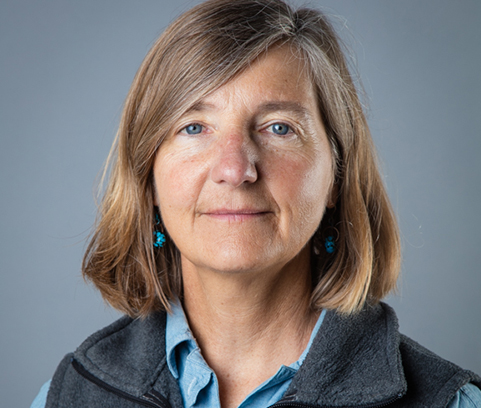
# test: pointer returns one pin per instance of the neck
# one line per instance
(248, 324)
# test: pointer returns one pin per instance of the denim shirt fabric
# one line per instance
(198, 383)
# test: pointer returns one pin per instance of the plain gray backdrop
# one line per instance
(66, 67)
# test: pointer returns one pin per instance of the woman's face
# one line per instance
(243, 179)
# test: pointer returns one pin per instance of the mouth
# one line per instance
(231, 215)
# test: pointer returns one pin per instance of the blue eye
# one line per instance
(280, 129)
(193, 129)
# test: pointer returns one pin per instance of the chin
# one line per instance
(242, 259)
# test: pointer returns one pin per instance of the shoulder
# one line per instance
(430, 379)
(423, 365)
(41, 398)
(428, 375)
(469, 396)
(125, 349)
(127, 356)
(124, 345)
(352, 351)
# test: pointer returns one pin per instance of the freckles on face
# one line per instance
(178, 175)
(304, 182)
(243, 179)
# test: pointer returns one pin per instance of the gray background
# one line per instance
(66, 67)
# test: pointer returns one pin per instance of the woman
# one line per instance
(245, 201)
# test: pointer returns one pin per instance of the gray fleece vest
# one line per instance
(354, 361)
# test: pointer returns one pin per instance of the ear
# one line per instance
(333, 196)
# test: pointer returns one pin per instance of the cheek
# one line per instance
(303, 184)
(309, 174)
(178, 181)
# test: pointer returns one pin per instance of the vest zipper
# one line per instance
(149, 399)
(157, 400)
(287, 404)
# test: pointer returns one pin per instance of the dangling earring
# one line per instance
(159, 237)
(329, 244)
(331, 235)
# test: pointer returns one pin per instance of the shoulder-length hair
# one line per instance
(199, 52)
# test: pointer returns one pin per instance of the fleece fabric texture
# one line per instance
(355, 361)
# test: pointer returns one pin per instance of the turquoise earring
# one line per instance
(330, 235)
(329, 244)
(159, 238)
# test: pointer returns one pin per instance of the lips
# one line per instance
(243, 214)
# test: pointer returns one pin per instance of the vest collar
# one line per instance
(128, 355)
(354, 360)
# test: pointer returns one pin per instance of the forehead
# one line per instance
(277, 79)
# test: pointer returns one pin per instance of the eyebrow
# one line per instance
(290, 106)
(200, 106)
(266, 107)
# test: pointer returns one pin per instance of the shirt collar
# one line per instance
(177, 331)
(299, 362)
(188, 367)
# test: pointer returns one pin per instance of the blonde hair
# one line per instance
(199, 52)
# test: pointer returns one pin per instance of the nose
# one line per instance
(235, 160)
